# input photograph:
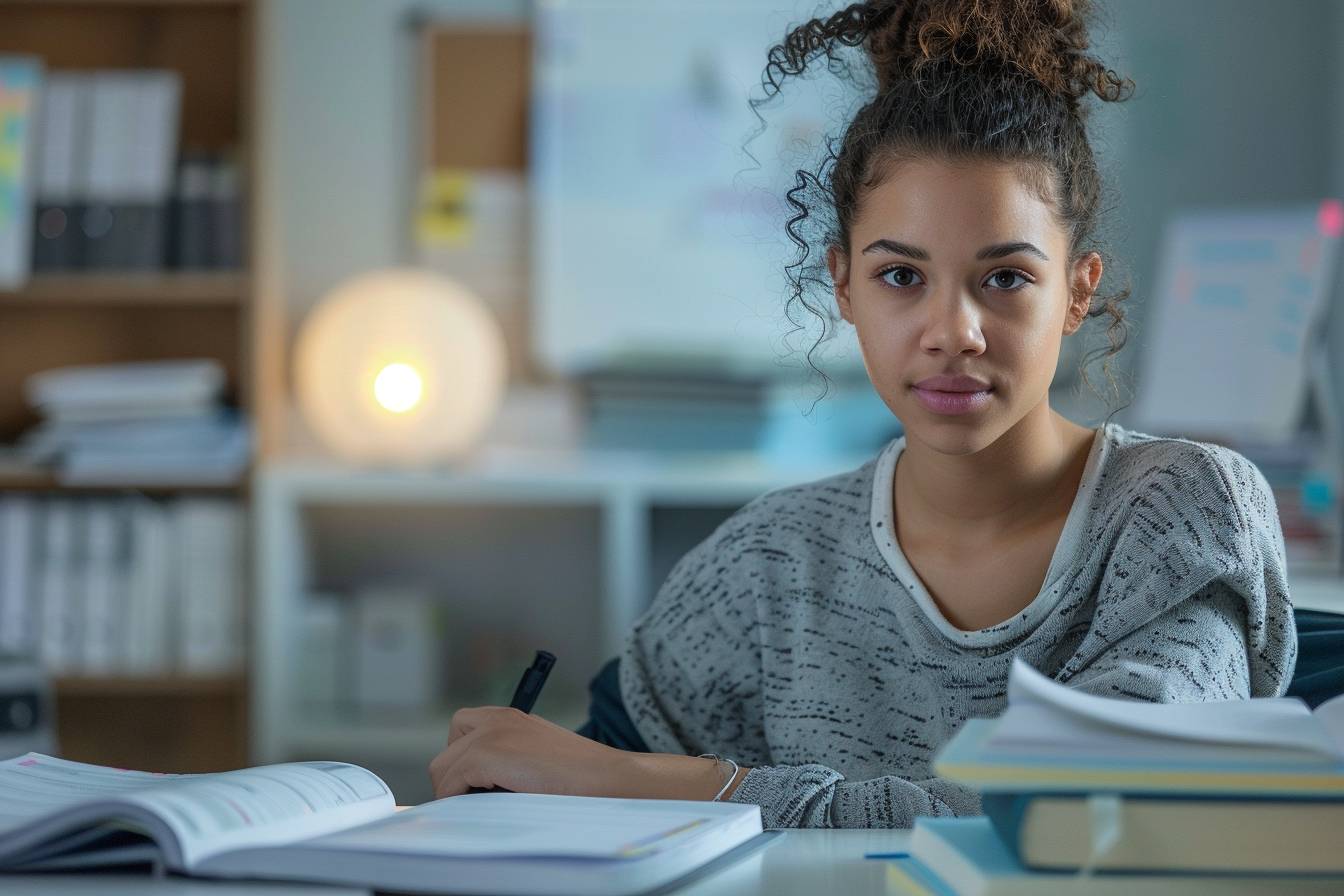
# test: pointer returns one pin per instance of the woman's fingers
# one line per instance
(455, 770)
(469, 719)
(447, 773)
(463, 721)
(500, 746)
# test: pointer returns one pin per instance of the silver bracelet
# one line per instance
(732, 775)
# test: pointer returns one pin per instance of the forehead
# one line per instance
(940, 205)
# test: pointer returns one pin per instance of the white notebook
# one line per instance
(333, 822)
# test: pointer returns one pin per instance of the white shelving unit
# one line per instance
(624, 494)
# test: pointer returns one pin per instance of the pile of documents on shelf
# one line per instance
(1086, 794)
(124, 584)
(146, 423)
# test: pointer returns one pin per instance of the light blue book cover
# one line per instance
(20, 78)
(967, 759)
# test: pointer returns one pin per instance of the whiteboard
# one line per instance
(654, 233)
(1229, 339)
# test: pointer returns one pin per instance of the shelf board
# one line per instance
(186, 290)
(184, 685)
(44, 480)
(115, 3)
(15, 475)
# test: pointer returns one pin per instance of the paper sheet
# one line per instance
(1259, 722)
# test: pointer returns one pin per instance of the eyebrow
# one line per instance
(1000, 250)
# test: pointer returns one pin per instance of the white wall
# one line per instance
(1336, 109)
(1337, 101)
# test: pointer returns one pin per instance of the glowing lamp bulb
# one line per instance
(398, 387)
(400, 366)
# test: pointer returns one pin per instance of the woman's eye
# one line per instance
(898, 276)
(1004, 279)
(902, 277)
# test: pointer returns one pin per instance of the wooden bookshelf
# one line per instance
(169, 289)
(159, 724)
(170, 722)
(40, 480)
(120, 685)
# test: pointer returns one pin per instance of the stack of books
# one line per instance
(1085, 794)
(145, 423)
(674, 410)
(663, 406)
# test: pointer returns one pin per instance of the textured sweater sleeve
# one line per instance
(1202, 617)
(814, 796)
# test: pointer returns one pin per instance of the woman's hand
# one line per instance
(495, 746)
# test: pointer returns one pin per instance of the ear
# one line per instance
(1083, 282)
(838, 264)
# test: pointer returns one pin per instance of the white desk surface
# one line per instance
(799, 862)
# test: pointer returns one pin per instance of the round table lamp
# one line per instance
(400, 365)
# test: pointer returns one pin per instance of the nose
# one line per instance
(952, 325)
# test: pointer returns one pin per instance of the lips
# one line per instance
(953, 383)
(953, 394)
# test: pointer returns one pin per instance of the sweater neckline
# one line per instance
(883, 528)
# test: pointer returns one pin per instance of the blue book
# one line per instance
(965, 856)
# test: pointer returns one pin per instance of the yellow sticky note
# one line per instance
(444, 213)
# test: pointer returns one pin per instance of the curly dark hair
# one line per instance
(960, 80)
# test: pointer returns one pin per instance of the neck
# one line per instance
(1027, 475)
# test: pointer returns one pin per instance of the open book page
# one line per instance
(34, 786)
(209, 813)
(1057, 711)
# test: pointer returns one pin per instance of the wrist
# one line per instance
(664, 776)
(739, 775)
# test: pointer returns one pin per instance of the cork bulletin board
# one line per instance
(471, 214)
(478, 82)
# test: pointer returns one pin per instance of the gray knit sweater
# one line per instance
(798, 640)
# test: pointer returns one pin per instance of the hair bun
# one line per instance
(1045, 39)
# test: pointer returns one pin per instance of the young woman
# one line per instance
(829, 638)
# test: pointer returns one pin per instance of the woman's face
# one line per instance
(960, 271)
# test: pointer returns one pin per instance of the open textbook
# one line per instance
(338, 823)
(1053, 737)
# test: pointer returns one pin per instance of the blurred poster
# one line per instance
(1234, 328)
(659, 201)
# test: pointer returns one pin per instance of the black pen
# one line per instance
(529, 687)
(525, 696)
